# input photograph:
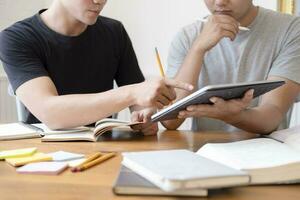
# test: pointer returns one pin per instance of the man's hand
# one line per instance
(216, 28)
(227, 111)
(158, 92)
(148, 128)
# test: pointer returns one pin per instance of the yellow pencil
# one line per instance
(89, 159)
(96, 161)
(161, 69)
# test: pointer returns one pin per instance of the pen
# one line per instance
(240, 27)
(161, 69)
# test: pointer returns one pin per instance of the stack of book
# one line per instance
(270, 160)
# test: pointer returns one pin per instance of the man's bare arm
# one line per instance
(262, 119)
(217, 27)
(40, 96)
(273, 108)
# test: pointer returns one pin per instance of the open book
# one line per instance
(267, 160)
(101, 127)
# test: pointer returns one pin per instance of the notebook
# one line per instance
(173, 170)
(13, 131)
(17, 153)
(47, 168)
(226, 92)
(267, 160)
(130, 183)
(62, 156)
(101, 127)
(37, 157)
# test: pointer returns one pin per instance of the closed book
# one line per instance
(14, 131)
(130, 183)
(173, 170)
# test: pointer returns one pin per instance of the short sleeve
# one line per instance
(128, 71)
(19, 57)
(180, 47)
(287, 63)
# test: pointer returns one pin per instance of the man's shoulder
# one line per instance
(280, 20)
(19, 30)
(189, 33)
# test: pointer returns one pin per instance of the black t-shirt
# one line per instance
(88, 63)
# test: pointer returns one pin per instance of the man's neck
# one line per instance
(59, 20)
(249, 17)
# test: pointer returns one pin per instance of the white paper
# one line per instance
(43, 168)
(60, 156)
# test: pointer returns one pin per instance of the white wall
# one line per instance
(153, 23)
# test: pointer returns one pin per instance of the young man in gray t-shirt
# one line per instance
(217, 52)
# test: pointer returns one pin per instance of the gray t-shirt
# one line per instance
(270, 48)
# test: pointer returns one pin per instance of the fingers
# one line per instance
(248, 97)
(178, 84)
(147, 128)
(228, 30)
(137, 127)
(169, 93)
(135, 116)
(163, 100)
(151, 129)
(224, 19)
(225, 25)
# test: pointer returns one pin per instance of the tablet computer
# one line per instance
(226, 92)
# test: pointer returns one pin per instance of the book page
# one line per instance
(109, 124)
(251, 154)
(16, 131)
(293, 141)
(80, 136)
(48, 131)
(283, 135)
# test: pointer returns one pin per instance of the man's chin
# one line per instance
(90, 22)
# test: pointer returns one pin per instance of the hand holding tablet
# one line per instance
(226, 92)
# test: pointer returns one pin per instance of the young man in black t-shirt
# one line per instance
(62, 62)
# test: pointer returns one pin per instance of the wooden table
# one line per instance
(96, 183)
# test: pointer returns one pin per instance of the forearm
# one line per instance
(81, 109)
(258, 120)
(189, 72)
